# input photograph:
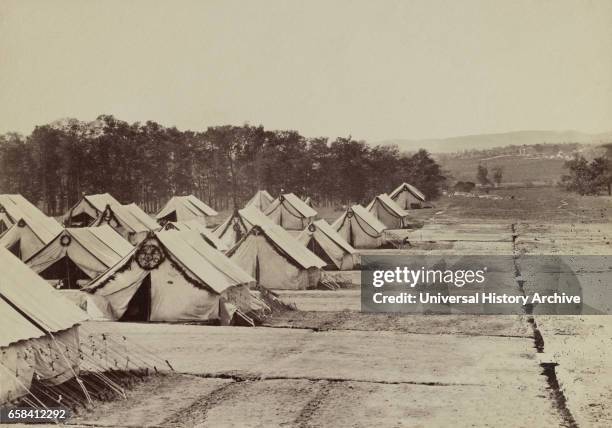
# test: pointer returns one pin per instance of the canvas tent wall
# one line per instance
(261, 200)
(87, 209)
(175, 276)
(78, 255)
(276, 259)
(182, 208)
(360, 228)
(408, 197)
(322, 240)
(196, 227)
(29, 235)
(39, 334)
(388, 212)
(239, 223)
(128, 221)
(290, 212)
(14, 207)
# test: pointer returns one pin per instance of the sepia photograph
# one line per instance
(285, 213)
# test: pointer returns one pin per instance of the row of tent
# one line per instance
(77, 258)
(131, 270)
(91, 208)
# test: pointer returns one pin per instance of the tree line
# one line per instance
(148, 163)
(590, 178)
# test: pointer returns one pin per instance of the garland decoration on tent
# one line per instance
(21, 223)
(258, 230)
(149, 256)
(126, 266)
(282, 203)
(365, 231)
(65, 240)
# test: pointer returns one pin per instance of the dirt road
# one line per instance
(301, 377)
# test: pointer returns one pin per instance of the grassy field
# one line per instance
(551, 204)
(516, 169)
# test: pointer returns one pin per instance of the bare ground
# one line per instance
(328, 364)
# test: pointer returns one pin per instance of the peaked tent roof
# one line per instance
(408, 188)
(298, 205)
(130, 216)
(389, 204)
(261, 200)
(16, 206)
(186, 208)
(193, 255)
(27, 304)
(90, 205)
(104, 246)
(335, 248)
(248, 216)
(101, 200)
(284, 244)
(197, 227)
(32, 233)
(324, 227)
(363, 214)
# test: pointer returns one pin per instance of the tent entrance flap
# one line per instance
(314, 246)
(67, 272)
(81, 220)
(16, 248)
(172, 217)
(139, 308)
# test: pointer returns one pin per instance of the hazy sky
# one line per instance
(372, 69)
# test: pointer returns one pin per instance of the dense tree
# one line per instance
(588, 178)
(482, 175)
(147, 163)
(498, 174)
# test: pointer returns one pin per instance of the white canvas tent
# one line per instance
(15, 207)
(388, 212)
(308, 201)
(195, 226)
(175, 276)
(87, 209)
(182, 208)
(360, 228)
(39, 334)
(408, 197)
(128, 220)
(29, 235)
(276, 259)
(239, 223)
(329, 246)
(261, 200)
(290, 212)
(78, 255)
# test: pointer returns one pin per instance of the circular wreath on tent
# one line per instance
(349, 214)
(21, 223)
(311, 227)
(149, 256)
(65, 240)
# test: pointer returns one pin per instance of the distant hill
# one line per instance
(489, 141)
